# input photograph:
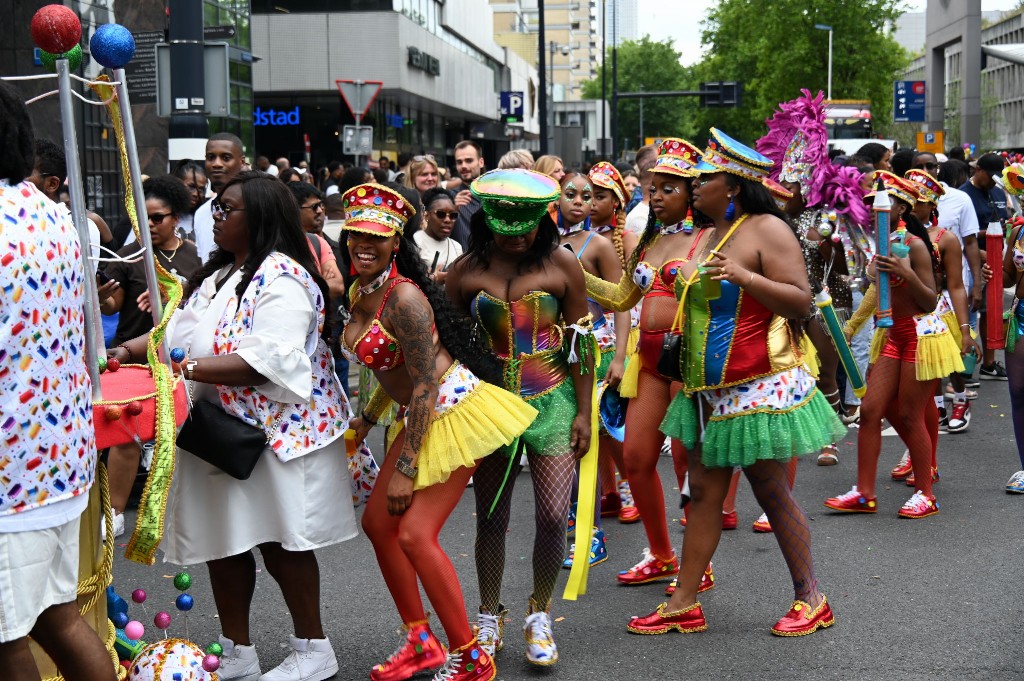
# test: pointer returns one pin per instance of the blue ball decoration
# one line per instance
(112, 45)
(184, 602)
(177, 354)
(120, 619)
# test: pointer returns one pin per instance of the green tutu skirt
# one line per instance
(743, 439)
(551, 432)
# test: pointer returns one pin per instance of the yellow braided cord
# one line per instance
(864, 311)
(149, 527)
(95, 586)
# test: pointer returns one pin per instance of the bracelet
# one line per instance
(128, 350)
(368, 419)
(190, 367)
(751, 280)
(405, 467)
(963, 325)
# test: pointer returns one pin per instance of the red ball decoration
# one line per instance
(56, 29)
(134, 408)
(112, 412)
(113, 364)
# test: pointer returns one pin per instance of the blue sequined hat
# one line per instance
(724, 154)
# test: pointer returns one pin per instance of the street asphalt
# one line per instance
(914, 599)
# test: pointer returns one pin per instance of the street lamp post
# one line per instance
(565, 50)
(824, 27)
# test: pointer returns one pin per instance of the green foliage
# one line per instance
(774, 49)
(648, 65)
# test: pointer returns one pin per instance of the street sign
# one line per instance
(141, 71)
(357, 140)
(225, 32)
(512, 106)
(932, 142)
(908, 101)
(359, 95)
(216, 99)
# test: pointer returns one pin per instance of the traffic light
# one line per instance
(719, 94)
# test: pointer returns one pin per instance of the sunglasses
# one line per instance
(449, 214)
(220, 211)
(157, 218)
(424, 157)
(315, 207)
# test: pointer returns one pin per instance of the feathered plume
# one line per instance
(798, 143)
(843, 192)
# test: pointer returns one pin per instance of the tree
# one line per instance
(648, 65)
(774, 49)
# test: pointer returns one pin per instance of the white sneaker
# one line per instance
(490, 630)
(238, 662)
(311, 659)
(118, 524)
(540, 644)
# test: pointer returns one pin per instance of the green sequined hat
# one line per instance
(514, 200)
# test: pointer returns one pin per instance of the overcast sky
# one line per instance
(680, 20)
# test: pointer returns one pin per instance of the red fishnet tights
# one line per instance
(895, 394)
(640, 454)
(407, 549)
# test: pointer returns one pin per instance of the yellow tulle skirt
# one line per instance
(631, 376)
(938, 354)
(485, 420)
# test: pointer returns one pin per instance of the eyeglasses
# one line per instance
(157, 218)
(449, 214)
(315, 207)
(220, 211)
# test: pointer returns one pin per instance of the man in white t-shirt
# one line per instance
(224, 159)
(636, 220)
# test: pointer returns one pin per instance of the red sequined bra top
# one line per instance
(376, 348)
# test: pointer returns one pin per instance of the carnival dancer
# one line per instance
(608, 218)
(528, 300)
(952, 307)
(748, 399)
(570, 215)
(405, 330)
(797, 142)
(908, 359)
(670, 241)
(1013, 275)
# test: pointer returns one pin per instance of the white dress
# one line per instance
(303, 504)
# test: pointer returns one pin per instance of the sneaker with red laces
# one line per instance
(419, 652)
(919, 506)
(730, 520)
(762, 524)
(650, 569)
(468, 663)
(686, 621)
(852, 502)
(801, 620)
(903, 468)
(707, 582)
(912, 481)
(628, 513)
(960, 418)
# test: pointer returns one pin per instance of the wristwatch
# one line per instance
(405, 467)
(189, 368)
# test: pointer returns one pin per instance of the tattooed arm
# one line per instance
(409, 316)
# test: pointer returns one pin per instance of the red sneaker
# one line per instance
(762, 524)
(801, 620)
(419, 652)
(919, 506)
(610, 505)
(685, 621)
(903, 468)
(650, 569)
(912, 481)
(852, 502)
(629, 515)
(707, 582)
(468, 663)
(730, 520)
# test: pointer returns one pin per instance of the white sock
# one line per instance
(940, 401)
(960, 397)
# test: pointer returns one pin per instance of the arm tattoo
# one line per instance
(411, 320)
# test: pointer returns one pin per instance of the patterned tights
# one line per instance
(1015, 374)
(552, 486)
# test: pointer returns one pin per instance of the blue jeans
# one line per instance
(860, 345)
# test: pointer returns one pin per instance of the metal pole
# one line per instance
(551, 84)
(640, 142)
(542, 76)
(615, 80)
(359, 115)
(94, 347)
(830, 63)
(604, 76)
(135, 173)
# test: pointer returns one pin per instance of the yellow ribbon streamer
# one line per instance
(149, 527)
(586, 503)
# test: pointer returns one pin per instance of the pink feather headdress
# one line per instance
(842, 191)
